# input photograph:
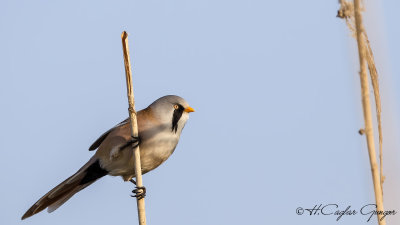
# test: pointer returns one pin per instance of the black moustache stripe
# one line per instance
(176, 117)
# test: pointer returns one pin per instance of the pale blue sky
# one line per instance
(274, 85)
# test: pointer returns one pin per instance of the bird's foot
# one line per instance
(134, 140)
(140, 192)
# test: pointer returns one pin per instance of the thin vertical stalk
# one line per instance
(367, 110)
(134, 127)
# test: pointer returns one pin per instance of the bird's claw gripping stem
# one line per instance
(134, 140)
(140, 192)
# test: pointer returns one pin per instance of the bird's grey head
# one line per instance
(173, 111)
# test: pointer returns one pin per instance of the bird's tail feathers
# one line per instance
(85, 176)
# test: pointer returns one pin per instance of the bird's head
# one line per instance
(173, 111)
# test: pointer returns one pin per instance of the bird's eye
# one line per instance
(176, 106)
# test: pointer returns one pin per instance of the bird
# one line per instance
(159, 125)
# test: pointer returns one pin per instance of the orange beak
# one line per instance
(189, 109)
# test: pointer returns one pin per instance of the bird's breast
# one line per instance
(155, 150)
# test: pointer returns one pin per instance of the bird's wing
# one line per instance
(99, 140)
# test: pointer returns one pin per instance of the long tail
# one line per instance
(85, 176)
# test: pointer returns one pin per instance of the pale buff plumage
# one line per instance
(158, 142)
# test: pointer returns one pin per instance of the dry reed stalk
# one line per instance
(346, 12)
(134, 127)
(375, 85)
(365, 56)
